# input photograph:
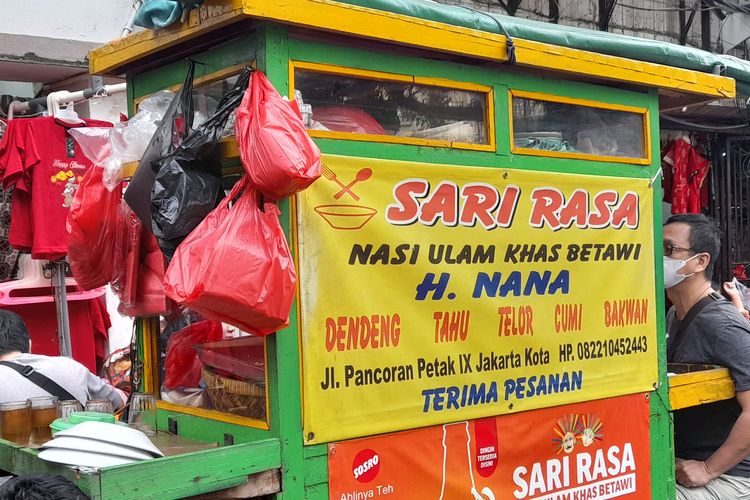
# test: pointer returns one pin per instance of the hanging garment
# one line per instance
(677, 159)
(89, 323)
(667, 177)
(8, 255)
(45, 165)
(12, 158)
(696, 175)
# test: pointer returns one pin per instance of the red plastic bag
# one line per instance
(278, 155)
(139, 269)
(182, 368)
(92, 226)
(347, 119)
(236, 266)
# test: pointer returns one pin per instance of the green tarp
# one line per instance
(640, 49)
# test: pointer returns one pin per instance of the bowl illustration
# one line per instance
(346, 217)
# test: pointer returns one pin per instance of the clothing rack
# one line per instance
(52, 103)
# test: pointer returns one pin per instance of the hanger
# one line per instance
(34, 288)
(68, 114)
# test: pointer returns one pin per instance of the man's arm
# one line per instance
(693, 473)
(734, 297)
(102, 389)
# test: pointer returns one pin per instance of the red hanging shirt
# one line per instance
(12, 159)
(53, 164)
(678, 158)
(696, 175)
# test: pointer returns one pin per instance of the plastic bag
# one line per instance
(236, 266)
(182, 368)
(127, 256)
(117, 369)
(92, 226)
(175, 126)
(139, 269)
(188, 184)
(110, 147)
(347, 119)
(278, 155)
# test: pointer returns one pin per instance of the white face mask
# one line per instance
(671, 266)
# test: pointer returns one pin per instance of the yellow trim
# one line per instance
(110, 58)
(700, 387)
(347, 71)
(539, 96)
(329, 15)
(399, 139)
(620, 69)
(150, 333)
(294, 243)
(227, 148)
(215, 415)
(579, 156)
(199, 82)
(222, 416)
(452, 84)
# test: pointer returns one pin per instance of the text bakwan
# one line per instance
(480, 203)
(596, 474)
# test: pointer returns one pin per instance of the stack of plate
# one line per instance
(99, 444)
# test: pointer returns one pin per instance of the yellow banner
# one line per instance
(435, 293)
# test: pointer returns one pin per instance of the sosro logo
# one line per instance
(366, 466)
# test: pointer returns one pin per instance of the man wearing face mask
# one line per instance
(712, 441)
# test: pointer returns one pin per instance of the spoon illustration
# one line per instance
(362, 175)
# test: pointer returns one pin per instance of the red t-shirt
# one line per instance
(52, 164)
(12, 159)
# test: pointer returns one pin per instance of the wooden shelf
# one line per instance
(693, 385)
(228, 150)
(249, 467)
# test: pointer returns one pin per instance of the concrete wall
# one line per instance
(95, 21)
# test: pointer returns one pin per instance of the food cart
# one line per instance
(479, 313)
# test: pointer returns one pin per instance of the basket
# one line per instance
(238, 397)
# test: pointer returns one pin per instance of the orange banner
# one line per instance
(597, 449)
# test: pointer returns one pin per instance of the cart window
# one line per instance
(392, 108)
(207, 92)
(576, 129)
(206, 98)
(212, 366)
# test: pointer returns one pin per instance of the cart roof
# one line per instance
(461, 32)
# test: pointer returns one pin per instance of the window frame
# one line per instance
(331, 69)
(206, 79)
(541, 96)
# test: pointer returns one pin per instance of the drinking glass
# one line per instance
(15, 421)
(43, 413)
(142, 413)
(100, 406)
(67, 407)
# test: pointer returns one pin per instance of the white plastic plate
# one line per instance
(82, 458)
(111, 433)
(95, 446)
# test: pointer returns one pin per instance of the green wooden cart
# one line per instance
(479, 254)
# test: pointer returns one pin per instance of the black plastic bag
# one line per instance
(176, 124)
(187, 186)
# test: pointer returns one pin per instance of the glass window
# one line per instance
(574, 128)
(206, 98)
(373, 106)
(212, 365)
